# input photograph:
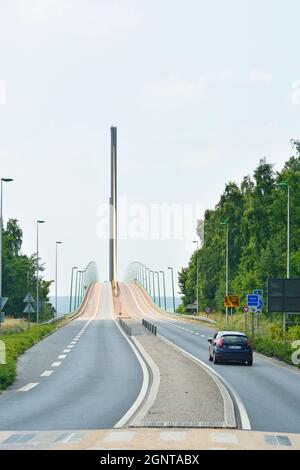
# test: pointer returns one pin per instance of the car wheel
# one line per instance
(250, 363)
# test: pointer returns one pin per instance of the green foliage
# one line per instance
(19, 274)
(257, 215)
(17, 344)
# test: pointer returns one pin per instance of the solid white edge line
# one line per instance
(246, 425)
(153, 392)
(143, 392)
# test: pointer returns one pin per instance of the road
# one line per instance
(268, 390)
(84, 376)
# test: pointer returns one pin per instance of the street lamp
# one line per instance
(173, 290)
(3, 180)
(164, 284)
(71, 292)
(38, 222)
(149, 282)
(226, 224)
(285, 185)
(76, 290)
(56, 245)
(196, 241)
(158, 286)
(153, 283)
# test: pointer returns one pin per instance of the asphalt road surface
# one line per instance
(268, 390)
(84, 376)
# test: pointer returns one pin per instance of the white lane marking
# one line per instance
(28, 387)
(145, 385)
(203, 336)
(55, 364)
(66, 350)
(62, 356)
(70, 346)
(47, 373)
(197, 334)
(73, 342)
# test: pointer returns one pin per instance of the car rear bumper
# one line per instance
(234, 357)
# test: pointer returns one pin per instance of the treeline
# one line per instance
(19, 275)
(256, 211)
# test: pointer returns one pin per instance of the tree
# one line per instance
(19, 273)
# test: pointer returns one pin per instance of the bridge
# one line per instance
(123, 372)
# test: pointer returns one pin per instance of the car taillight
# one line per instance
(219, 343)
(249, 344)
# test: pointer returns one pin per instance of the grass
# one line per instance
(14, 325)
(16, 343)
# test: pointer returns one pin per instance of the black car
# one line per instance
(230, 346)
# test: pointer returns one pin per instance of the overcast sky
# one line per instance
(200, 90)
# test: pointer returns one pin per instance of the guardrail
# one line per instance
(150, 326)
(125, 327)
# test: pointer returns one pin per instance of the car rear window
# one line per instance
(234, 339)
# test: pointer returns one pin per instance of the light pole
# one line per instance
(158, 287)
(173, 290)
(146, 279)
(153, 283)
(79, 287)
(164, 284)
(226, 224)
(76, 290)
(3, 180)
(38, 222)
(196, 241)
(285, 185)
(82, 285)
(149, 282)
(56, 246)
(71, 292)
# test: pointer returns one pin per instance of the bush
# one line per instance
(16, 344)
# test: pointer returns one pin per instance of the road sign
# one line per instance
(3, 301)
(28, 309)
(246, 309)
(253, 300)
(29, 298)
(258, 292)
(231, 301)
(252, 309)
(207, 310)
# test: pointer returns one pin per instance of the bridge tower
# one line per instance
(113, 222)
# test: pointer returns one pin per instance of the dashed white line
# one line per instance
(66, 350)
(47, 373)
(62, 356)
(28, 387)
(71, 346)
(55, 364)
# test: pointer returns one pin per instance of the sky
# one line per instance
(200, 91)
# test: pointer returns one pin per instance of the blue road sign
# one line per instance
(253, 300)
(258, 292)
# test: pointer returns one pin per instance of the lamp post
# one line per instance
(76, 290)
(71, 292)
(226, 224)
(149, 281)
(56, 246)
(158, 287)
(164, 284)
(173, 290)
(79, 287)
(285, 185)
(197, 259)
(146, 279)
(38, 222)
(3, 180)
(153, 283)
